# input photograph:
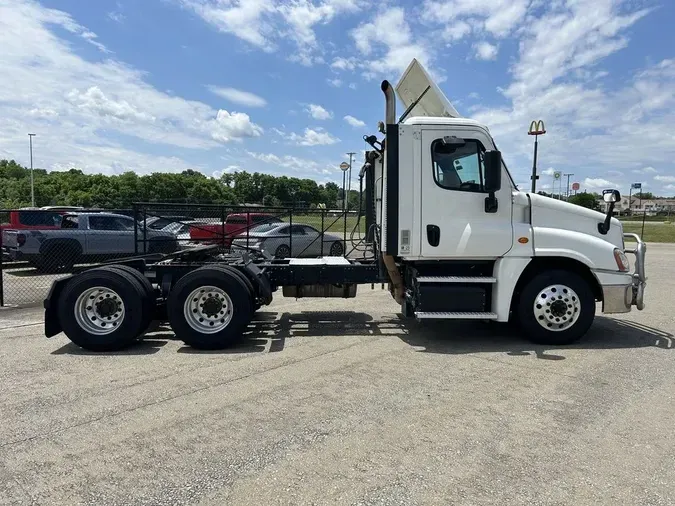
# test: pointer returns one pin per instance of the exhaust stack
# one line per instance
(395, 280)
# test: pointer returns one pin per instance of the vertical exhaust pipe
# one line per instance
(390, 103)
(395, 280)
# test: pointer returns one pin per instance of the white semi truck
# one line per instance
(451, 235)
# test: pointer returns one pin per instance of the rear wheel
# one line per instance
(149, 299)
(102, 309)
(236, 272)
(556, 307)
(209, 308)
(336, 249)
(282, 251)
(57, 258)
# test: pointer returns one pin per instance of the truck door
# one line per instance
(454, 221)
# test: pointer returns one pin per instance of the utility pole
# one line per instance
(536, 129)
(32, 186)
(568, 185)
(349, 185)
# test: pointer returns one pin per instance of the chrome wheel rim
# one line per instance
(99, 310)
(283, 252)
(557, 308)
(208, 309)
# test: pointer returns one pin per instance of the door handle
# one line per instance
(433, 235)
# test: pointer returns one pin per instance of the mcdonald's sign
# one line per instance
(537, 128)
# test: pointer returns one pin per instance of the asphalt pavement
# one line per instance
(341, 402)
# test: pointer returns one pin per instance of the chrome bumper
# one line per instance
(639, 276)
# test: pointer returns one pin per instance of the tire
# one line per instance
(227, 268)
(541, 308)
(127, 323)
(149, 299)
(282, 251)
(221, 324)
(336, 249)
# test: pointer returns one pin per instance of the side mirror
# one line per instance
(611, 196)
(492, 160)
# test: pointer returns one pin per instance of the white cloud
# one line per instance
(548, 172)
(473, 95)
(286, 161)
(646, 170)
(336, 83)
(266, 24)
(340, 63)
(240, 97)
(486, 51)
(318, 112)
(598, 183)
(665, 179)
(460, 17)
(356, 123)
(116, 16)
(312, 137)
(669, 187)
(74, 104)
(352, 86)
(387, 44)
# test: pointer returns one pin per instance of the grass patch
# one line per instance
(334, 224)
(653, 232)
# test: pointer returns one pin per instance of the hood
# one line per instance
(416, 82)
(551, 213)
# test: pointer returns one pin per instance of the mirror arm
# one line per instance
(491, 203)
(603, 228)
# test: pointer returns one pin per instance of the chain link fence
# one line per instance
(41, 245)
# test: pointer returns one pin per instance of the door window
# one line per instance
(109, 223)
(458, 167)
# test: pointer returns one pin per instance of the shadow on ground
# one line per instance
(270, 331)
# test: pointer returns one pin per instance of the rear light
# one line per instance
(20, 239)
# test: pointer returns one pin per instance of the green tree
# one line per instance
(589, 200)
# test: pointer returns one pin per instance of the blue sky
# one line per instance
(290, 86)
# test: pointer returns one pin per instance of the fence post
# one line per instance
(2, 275)
(135, 212)
(222, 226)
(248, 227)
(145, 230)
(345, 231)
(322, 230)
(290, 232)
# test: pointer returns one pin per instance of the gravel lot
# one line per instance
(340, 402)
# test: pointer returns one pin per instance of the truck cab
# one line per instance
(461, 241)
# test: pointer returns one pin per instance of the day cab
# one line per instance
(469, 244)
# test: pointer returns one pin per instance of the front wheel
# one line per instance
(336, 249)
(556, 307)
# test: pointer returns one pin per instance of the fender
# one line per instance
(52, 320)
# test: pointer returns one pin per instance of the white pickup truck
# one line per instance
(85, 237)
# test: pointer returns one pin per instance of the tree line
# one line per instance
(76, 188)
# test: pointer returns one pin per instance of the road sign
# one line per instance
(557, 174)
(344, 166)
(575, 186)
(636, 186)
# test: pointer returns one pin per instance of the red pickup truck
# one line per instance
(235, 224)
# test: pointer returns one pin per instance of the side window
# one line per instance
(298, 230)
(458, 167)
(100, 223)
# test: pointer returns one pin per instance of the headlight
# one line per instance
(621, 260)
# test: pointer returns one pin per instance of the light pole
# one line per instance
(349, 185)
(32, 187)
(567, 193)
(536, 129)
(344, 167)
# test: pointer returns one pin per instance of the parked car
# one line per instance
(235, 224)
(84, 237)
(33, 219)
(182, 230)
(282, 240)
